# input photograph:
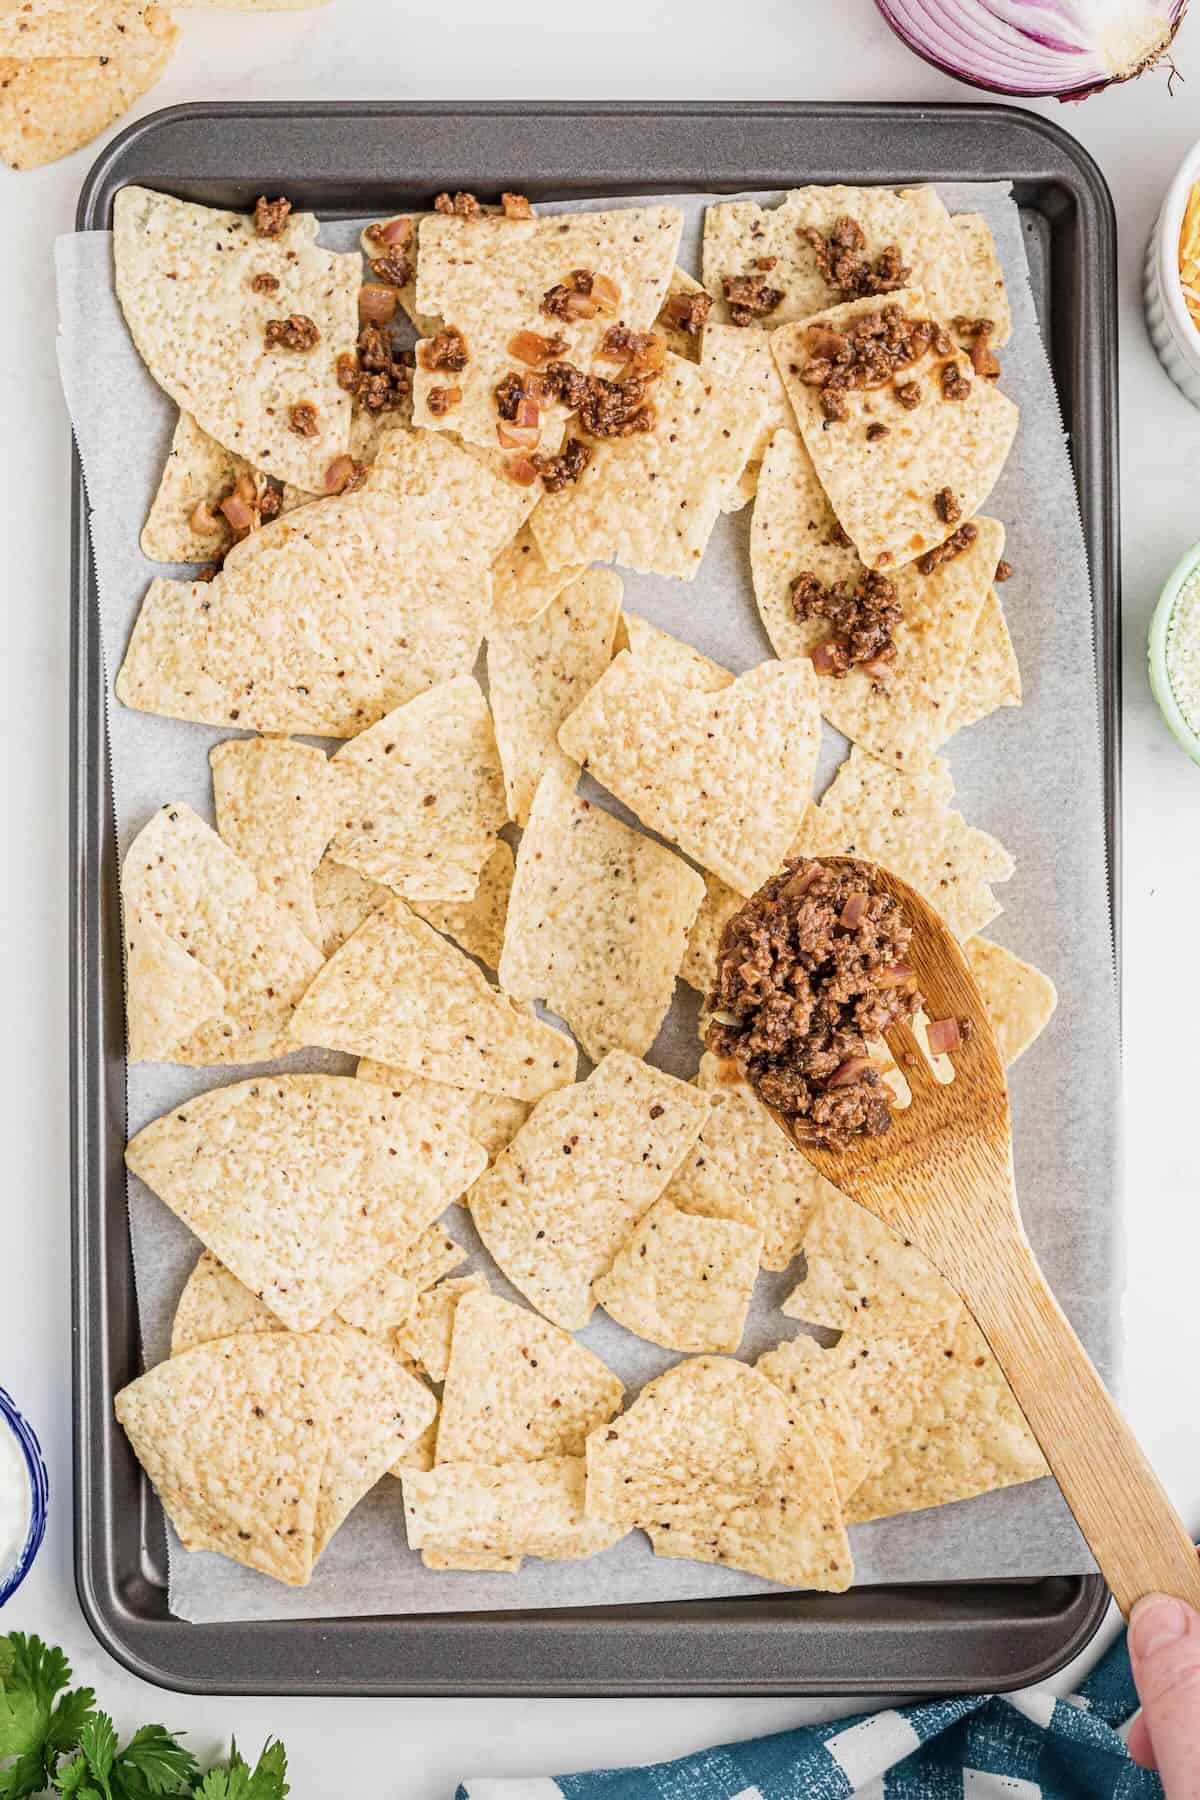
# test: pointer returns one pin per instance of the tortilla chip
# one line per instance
(303, 1185)
(556, 1205)
(780, 1188)
(399, 993)
(518, 1388)
(858, 1398)
(198, 472)
(742, 360)
(682, 1280)
(1020, 1000)
(456, 481)
(505, 1510)
(969, 1437)
(403, 252)
(598, 921)
(710, 1462)
(234, 1436)
(699, 965)
(488, 277)
(274, 802)
(882, 490)
(185, 280)
(902, 716)
(977, 289)
(426, 1333)
(860, 1275)
(679, 341)
(82, 30)
(50, 105)
(179, 876)
(215, 1304)
(335, 613)
(906, 823)
(669, 658)
(491, 1119)
(420, 1455)
(523, 585)
(169, 994)
(538, 672)
(419, 797)
(725, 776)
(343, 899)
(650, 501)
(478, 923)
(386, 1299)
(379, 1412)
(990, 676)
(738, 233)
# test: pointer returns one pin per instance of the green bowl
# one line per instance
(1160, 682)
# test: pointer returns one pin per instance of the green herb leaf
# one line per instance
(34, 1731)
(266, 1781)
(152, 1763)
(98, 1743)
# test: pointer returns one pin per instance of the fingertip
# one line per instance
(1141, 1750)
(1157, 1620)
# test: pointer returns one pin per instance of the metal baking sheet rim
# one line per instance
(955, 1637)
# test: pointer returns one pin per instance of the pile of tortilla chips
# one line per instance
(70, 68)
(396, 571)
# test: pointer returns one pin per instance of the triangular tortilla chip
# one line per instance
(650, 501)
(185, 277)
(668, 658)
(504, 1510)
(215, 1304)
(682, 1280)
(518, 1387)
(50, 105)
(399, 252)
(725, 776)
(712, 1464)
(969, 1436)
(906, 823)
(1020, 1000)
(234, 1437)
(274, 801)
(699, 965)
(860, 1276)
(990, 676)
(598, 921)
(419, 796)
(780, 1188)
(456, 482)
(170, 995)
(198, 474)
(882, 489)
(335, 613)
(556, 1205)
(977, 289)
(80, 30)
(523, 585)
(858, 1397)
(742, 360)
(426, 1333)
(399, 993)
(902, 716)
(180, 877)
(303, 1185)
(538, 672)
(379, 1413)
(740, 236)
(493, 1120)
(489, 276)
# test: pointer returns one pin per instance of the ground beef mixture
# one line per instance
(607, 409)
(945, 505)
(869, 353)
(562, 300)
(393, 269)
(558, 471)
(750, 297)
(809, 972)
(1003, 571)
(641, 352)
(876, 431)
(978, 333)
(955, 544)
(864, 615)
(380, 376)
(842, 263)
(955, 384)
(448, 351)
(688, 312)
(441, 400)
(516, 206)
(296, 332)
(270, 216)
(458, 206)
(303, 420)
(909, 395)
(270, 504)
(264, 282)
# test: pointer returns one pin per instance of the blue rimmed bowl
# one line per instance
(30, 1451)
(1160, 635)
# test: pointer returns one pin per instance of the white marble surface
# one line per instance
(371, 49)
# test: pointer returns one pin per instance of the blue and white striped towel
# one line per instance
(1026, 1747)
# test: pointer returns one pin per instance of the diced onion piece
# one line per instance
(531, 347)
(879, 667)
(942, 1035)
(376, 303)
(823, 659)
(581, 306)
(854, 911)
(203, 520)
(848, 1072)
(239, 515)
(800, 883)
(606, 293)
(396, 231)
(528, 415)
(522, 471)
(338, 474)
(517, 437)
(895, 975)
(246, 488)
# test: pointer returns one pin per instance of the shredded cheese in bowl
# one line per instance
(1189, 254)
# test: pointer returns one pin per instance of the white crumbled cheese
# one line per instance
(15, 1501)
(1183, 650)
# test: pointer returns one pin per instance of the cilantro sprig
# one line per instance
(54, 1739)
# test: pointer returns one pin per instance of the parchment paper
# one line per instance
(1029, 775)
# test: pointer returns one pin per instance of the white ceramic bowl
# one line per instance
(1172, 333)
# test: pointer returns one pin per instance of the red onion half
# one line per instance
(1067, 48)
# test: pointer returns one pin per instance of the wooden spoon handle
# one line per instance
(1138, 1539)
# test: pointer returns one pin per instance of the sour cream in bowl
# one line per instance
(23, 1494)
(1175, 652)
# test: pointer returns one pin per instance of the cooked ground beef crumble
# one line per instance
(844, 267)
(955, 544)
(809, 972)
(607, 409)
(270, 216)
(448, 351)
(869, 353)
(688, 312)
(458, 206)
(557, 471)
(303, 419)
(750, 298)
(380, 376)
(296, 332)
(864, 615)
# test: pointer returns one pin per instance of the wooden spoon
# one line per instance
(942, 1177)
